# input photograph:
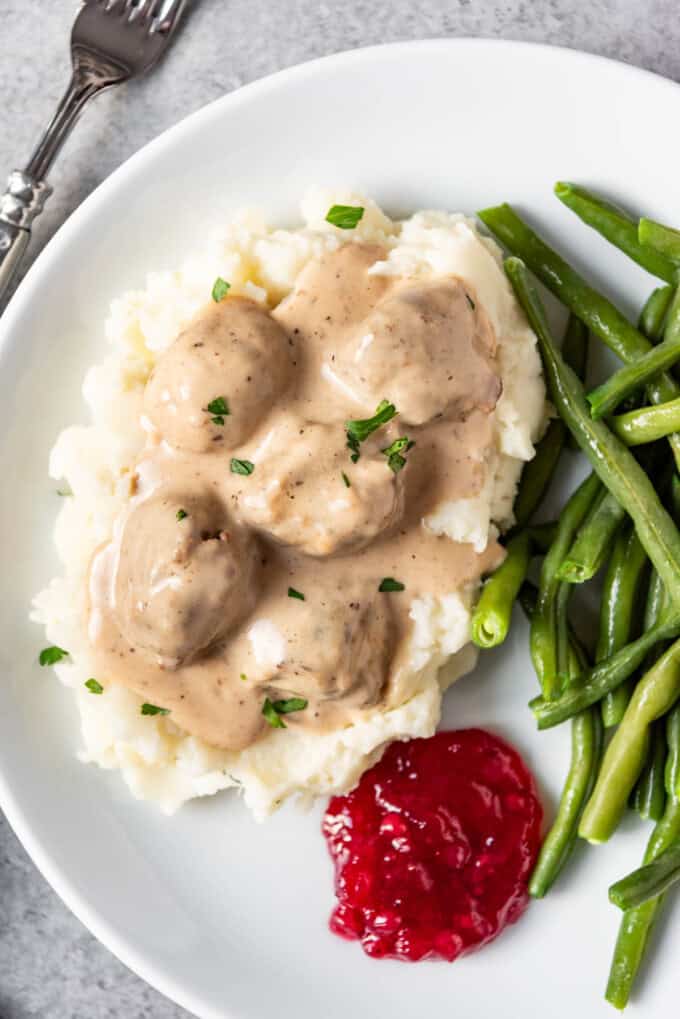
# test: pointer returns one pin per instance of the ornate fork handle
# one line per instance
(27, 190)
(21, 203)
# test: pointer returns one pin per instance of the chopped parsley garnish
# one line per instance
(396, 453)
(182, 514)
(390, 584)
(344, 216)
(359, 431)
(272, 710)
(94, 686)
(152, 709)
(220, 289)
(52, 655)
(292, 593)
(241, 466)
(243, 677)
(470, 301)
(289, 705)
(345, 479)
(66, 490)
(353, 446)
(219, 408)
(270, 713)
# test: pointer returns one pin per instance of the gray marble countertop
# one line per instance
(50, 967)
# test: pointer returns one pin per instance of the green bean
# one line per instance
(562, 650)
(578, 656)
(662, 239)
(647, 424)
(618, 605)
(599, 314)
(675, 498)
(649, 794)
(544, 636)
(491, 618)
(575, 344)
(542, 537)
(607, 397)
(616, 466)
(656, 605)
(538, 473)
(592, 543)
(605, 676)
(616, 227)
(672, 775)
(527, 597)
(653, 314)
(636, 924)
(586, 750)
(655, 694)
(647, 882)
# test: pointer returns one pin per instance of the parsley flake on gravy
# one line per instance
(272, 710)
(345, 217)
(345, 479)
(94, 686)
(52, 655)
(359, 431)
(292, 593)
(390, 584)
(152, 709)
(242, 466)
(220, 289)
(219, 408)
(396, 458)
(182, 514)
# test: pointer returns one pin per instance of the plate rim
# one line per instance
(141, 964)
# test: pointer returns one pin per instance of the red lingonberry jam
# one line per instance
(434, 848)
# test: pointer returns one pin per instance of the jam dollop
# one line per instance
(434, 848)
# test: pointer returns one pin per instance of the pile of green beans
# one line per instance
(639, 917)
(602, 317)
(624, 520)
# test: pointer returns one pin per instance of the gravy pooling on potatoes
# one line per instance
(239, 501)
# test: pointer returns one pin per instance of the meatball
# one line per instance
(214, 385)
(339, 646)
(185, 575)
(427, 348)
(306, 492)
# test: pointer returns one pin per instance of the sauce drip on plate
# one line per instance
(434, 848)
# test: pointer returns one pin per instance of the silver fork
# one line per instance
(111, 42)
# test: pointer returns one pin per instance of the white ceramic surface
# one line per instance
(226, 917)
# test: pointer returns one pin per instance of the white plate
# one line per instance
(226, 917)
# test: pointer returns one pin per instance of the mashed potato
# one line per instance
(157, 759)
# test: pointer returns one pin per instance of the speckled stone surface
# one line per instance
(50, 967)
